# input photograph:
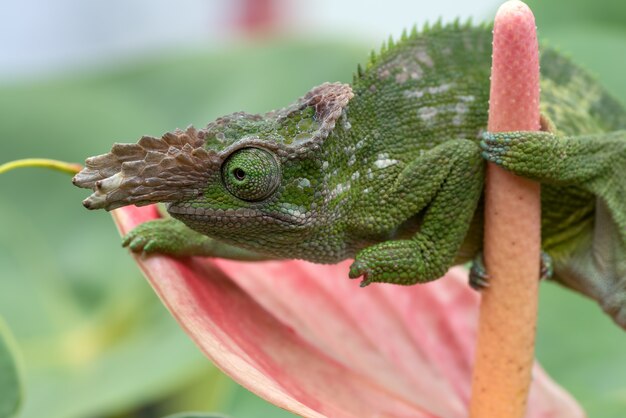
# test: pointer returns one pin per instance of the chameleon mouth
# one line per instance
(227, 217)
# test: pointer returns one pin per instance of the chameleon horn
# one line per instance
(167, 169)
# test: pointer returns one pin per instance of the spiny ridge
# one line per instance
(427, 29)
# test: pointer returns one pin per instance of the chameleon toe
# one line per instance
(151, 246)
(357, 269)
(126, 241)
(137, 244)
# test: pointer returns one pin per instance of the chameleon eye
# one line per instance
(251, 174)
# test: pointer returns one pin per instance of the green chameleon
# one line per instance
(389, 171)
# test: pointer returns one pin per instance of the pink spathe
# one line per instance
(308, 339)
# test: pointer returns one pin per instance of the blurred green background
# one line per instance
(94, 339)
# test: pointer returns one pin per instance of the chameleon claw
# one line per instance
(137, 244)
(479, 284)
(547, 267)
(150, 246)
(357, 269)
(128, 238)
(478, 277)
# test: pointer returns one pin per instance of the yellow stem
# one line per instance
(62, 166)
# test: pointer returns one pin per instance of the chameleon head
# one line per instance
(242, 175)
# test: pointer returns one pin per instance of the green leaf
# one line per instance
(598, 48)
(583, 350)
(95, 338)
(10, 380)
(571, 12)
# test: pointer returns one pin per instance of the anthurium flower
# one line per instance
(309, 340)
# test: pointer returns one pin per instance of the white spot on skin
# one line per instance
(339, 189)
(293, 210)
(356, 175)
(370, 175)
(462, 108)
(402, 77)
(416, 94)
(352, 160)
(413, 94)
(304, 183)
(427, 114)
(383, 161)
(403, 67)
(440, 89)
(424, 58)
(346, 124)
(324, 165)
(467, 99)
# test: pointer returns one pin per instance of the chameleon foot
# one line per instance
(169, 236)
(479, 279)
(359, 269)
(524, 153)
(399, 262)
(388, 262)
(165, 236)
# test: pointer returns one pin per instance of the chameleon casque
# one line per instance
(387, 170)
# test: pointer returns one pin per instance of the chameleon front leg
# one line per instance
(170, 236)
(596, 164)
(459, 171)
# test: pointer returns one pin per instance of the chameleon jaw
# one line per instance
(183, 211)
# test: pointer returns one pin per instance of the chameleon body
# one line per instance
(387, 170)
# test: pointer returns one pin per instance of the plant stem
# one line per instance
(70, 168)
(508, 312)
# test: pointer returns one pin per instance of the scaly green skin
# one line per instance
(389, 171)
